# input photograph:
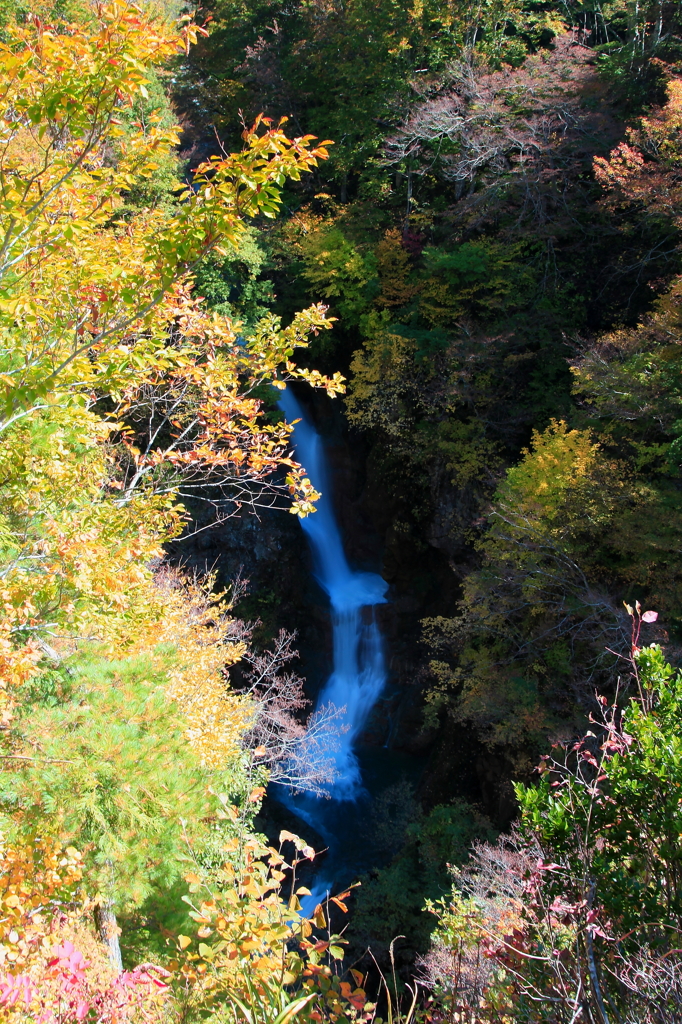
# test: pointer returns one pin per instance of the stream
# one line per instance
(358, 674)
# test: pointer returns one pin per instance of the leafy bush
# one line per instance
(578, 913)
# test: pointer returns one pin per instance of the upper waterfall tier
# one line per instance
(347, 590)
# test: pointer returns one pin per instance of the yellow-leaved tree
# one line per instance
(120, 732)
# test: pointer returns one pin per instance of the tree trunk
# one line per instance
(108, 929)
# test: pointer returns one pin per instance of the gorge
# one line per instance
(426, 260)
(359, 670)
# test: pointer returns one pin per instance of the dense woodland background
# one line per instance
(455, 230)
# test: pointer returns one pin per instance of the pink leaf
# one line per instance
(649, 616)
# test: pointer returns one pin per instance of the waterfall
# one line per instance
(359, 671)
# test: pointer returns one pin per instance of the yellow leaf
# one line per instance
(319, 918)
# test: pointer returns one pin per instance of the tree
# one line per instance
(120, 753)
(529, 644)
(197, 430)
(272, 57)
(72, 286)
(123, 734)
(579, 912)
(98, 315)
(52, 967)
(257, 954)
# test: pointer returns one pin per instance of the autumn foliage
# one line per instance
(124, 749)
(494, 236)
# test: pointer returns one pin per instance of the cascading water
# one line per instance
(359, 670)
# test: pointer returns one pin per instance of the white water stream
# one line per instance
(359, 670)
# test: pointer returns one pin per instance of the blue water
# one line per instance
(359, 668)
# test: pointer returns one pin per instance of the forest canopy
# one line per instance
(461, 222)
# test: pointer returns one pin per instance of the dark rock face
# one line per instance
(262, 548)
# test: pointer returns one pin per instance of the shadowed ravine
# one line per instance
(359, 670)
